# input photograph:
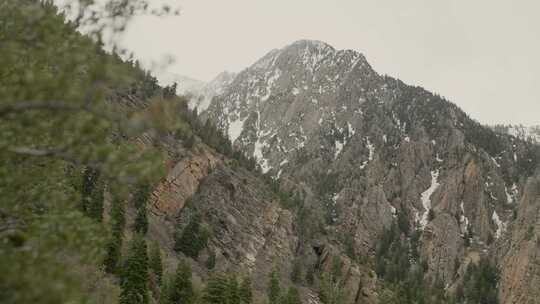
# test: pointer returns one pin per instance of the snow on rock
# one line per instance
(463, 219)
(260, 144)
(393, 210)
(495, 162)
(426, 198)
(339, 147)
(371, 148)
(512, 194)
(509, 197)
(258, 154)
(531, 133)
(501, 226)
(351, 130)
(339, 144)
(235, 128)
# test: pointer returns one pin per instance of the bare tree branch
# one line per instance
(23, 106)
(59, 153)
(27, 106)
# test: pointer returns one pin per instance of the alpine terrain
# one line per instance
(305, 178)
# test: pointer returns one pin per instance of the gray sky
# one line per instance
(483, 55)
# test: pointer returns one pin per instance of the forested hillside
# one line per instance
(306, 178)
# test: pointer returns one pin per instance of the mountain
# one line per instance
(340, 185)
(367, 151)
(200, 93)
(531, 133)
(184, 84)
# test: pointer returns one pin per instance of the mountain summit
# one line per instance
(369, 150)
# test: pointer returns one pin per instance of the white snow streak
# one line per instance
(463, 219)
(426, 198)
(371, 148)
(501, 226)
(339, 147)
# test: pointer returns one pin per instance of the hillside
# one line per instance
(366, 150)
(305, 178)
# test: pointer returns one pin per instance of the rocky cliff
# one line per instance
(365, 149)
(356, 153)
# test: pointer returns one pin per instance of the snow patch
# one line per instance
(463, 219)
(393, 210)
(501, 226)
(509, 197)
(426, 198)
(371, 148)
(235, 128)
(257, 153)
(339, 147)
(495, 162)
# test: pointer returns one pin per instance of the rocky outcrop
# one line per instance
(520, 261)
(182, 182)
(250, 233)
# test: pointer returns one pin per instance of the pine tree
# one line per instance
(292, 296)
(182, 288)
(114, 245)
(95, 206)
(246, 295)
(166, 288)
(140, 201)
(233, 295)
(330, 291)
(89, 180)
(92, 194)
(156, 264)
(141, 220)
(193, 238)
(226, 289)
(216, 290)
(211, 261)
(113, 250)
(274, 290)
(134, 281)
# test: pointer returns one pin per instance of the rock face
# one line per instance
(521, 258)
(364, 148)
(251, 233)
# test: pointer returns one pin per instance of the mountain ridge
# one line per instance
(355, 140)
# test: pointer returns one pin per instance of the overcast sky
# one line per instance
(483, 55)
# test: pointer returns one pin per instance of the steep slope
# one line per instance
(367, 149)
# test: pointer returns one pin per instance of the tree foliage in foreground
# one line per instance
(61, 124)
